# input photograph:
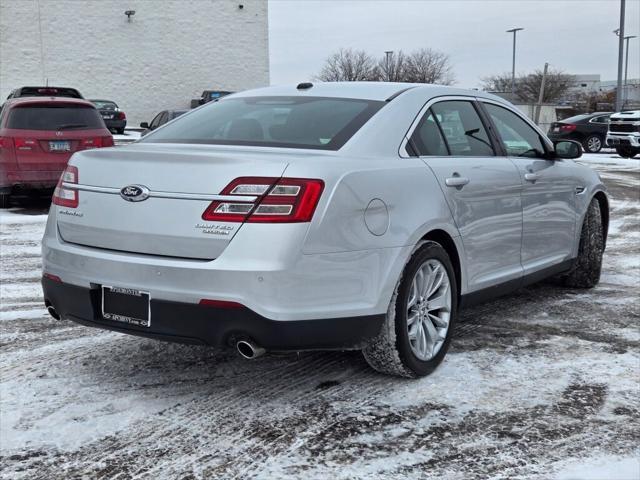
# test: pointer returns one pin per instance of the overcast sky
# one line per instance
(572, 35)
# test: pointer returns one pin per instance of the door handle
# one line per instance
(531, 177)
(456, 181)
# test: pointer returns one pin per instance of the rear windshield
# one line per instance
(58, 117)
(294, 122)
(104, 105)
(49, 92)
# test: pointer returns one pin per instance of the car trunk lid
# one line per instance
(181, 183)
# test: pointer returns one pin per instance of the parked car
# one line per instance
(330, 216)
(44, 92)
(39, 135)
(114, 118)
(208, 96)
(624, 133)
(589, 129)
(160, 119)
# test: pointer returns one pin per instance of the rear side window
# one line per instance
(50, 117)
(294, 122)
(462, 128)
(427, 138)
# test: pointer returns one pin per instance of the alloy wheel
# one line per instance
(429, 309)
(594, 144)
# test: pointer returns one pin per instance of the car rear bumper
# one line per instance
(32, 178)
(622, 140)
(554, 137)
(201, 324)
(262, 268)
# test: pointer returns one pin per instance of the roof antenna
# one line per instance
(47, 82)
(304, 86)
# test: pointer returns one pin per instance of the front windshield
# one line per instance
(295, 122)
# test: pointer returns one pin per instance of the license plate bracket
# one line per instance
(126, 305)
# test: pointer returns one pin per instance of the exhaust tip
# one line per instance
(248, 350)
(52, 312)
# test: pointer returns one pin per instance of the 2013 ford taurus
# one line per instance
(321, 216)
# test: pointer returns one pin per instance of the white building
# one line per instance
(161, 57)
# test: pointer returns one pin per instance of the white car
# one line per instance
(321, 216)
(624, 133)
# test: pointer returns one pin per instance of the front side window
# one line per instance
(54, 117)
(294, 122)
(518, 137)
(463, 130)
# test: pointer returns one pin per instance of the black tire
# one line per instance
(390, 351)
(585, 273)
(626, 152)
(5, 200)
(120, 131)
(593, 144)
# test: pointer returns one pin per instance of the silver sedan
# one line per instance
(321, 216)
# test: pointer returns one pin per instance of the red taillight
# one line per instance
(96, 142)
(55, 278)
(121, 116)
(6, 142)
(220, 304)
(87, 143)
(63, 195)
(48, 91)
(25, 143)
(567, 127)
(280, 200)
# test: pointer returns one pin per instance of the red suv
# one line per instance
(38, 136)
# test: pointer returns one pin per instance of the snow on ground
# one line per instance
(541, 384)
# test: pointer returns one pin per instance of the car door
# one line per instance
(548, 193)
(481, 189)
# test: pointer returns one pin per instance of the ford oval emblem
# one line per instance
(134, 193)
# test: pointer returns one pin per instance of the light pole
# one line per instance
(388, 54)
(513, 64)
(620, 34)
(626, 69)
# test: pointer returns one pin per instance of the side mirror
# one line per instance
(144, 125)
(568, 149)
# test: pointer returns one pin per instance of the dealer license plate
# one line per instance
(126, 305)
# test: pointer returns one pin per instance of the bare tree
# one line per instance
(422, 66)
(392, 67)
(349, 65)
(527, 87)
(556, 85)
(428, 66)
(497, 83)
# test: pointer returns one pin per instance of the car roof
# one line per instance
(379, 91)
(50, 100)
